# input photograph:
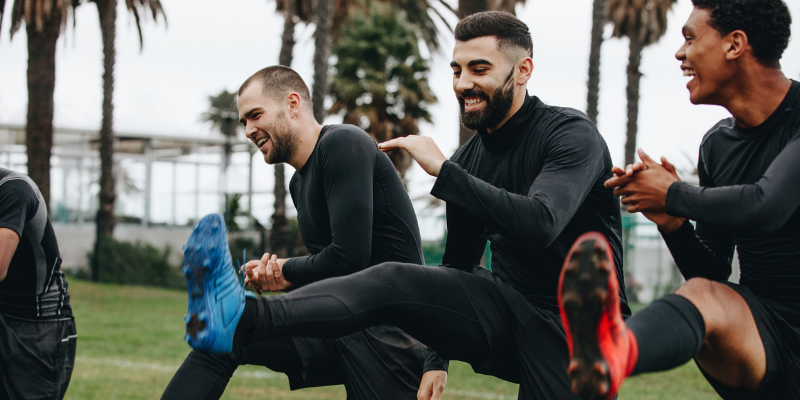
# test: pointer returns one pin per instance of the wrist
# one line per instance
(671, 225)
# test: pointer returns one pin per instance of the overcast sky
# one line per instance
(213, 45)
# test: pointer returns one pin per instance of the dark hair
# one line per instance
(277, 81)
(767, 24)
(510, 31)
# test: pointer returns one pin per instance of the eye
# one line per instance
(479, 70)
(456, 73)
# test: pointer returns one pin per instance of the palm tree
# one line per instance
(381, 80)
(599, 20)
(469, 7)
(644, 22)
(107, 12)
(44, 21)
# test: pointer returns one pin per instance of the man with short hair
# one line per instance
(744, 337)
(530, 181)
(353, 212)
(37, 329)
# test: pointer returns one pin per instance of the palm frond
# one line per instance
(644, 19)
(155, 8)
(40, 13)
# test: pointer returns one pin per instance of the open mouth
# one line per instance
(688, 72)
(261, 142)
(473, 103)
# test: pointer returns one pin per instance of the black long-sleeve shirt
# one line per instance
(531, 188)
(352, 209)
(748, 197)
(353, 212)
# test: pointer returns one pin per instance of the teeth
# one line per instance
(261, 142)
(688, 72)
(472, 102)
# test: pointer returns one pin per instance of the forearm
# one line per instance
(694, 258)
(760, 207)
(8, 245)
(534, 218)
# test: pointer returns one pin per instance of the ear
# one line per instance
(524, 71)
(294, 103)
(736, 45)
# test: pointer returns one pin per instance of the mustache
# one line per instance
(474, 92)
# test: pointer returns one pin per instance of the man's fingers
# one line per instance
(391, 144)
(645, 158)
(617, 171)
(669, 167)
(618, 181)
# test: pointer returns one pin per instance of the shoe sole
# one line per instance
(206, 248)
(583, 295)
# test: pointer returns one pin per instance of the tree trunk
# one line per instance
(279, 235)
(41, 84)
(107, 11)
(465, 8)
(468, 7)
(634, 76)
(322, 52)
(599, 19)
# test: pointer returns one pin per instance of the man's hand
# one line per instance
(422, 148)
(643, 187)
(432, 385)
(266, 274)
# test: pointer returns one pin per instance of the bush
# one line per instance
(137, 264)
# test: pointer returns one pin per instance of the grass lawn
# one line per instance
(130, 342)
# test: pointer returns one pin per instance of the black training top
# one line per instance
(748, 197)
(34, 287)
(352, 209)
(353, 212)
(531, 187)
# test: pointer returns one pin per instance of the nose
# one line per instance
(681, 53)
(463, 82)
(249, 130)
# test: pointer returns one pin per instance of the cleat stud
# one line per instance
(603, 389)
(187, 318)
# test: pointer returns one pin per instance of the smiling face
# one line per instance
(483, 80)
(704, 59)
(267, 124)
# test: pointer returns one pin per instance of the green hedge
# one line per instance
(136, 264)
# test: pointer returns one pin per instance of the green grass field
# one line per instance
(130, 342)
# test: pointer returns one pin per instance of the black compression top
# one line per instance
(531, 187)
(34, 287)
(748, 197)
(352, 209)
(353, 212)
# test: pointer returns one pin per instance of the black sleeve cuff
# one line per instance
(443, 180)
(434, 363)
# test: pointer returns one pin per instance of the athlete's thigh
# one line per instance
(381, 362)
(733, 351)
(543, 358)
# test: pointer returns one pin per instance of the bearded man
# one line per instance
(353, 212)
(530, 182)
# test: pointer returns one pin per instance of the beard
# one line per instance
(283, 141)
(497, 106)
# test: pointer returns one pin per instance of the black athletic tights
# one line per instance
(429, 303)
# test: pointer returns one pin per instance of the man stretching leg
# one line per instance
(353, 212)
(744, 337)
(531, 182)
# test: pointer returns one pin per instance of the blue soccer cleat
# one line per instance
(216, 297)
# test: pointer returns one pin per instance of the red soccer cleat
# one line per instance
(602, 350)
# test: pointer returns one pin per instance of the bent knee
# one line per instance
(716, 302)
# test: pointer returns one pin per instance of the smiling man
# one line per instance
(353, 212)
(744, 337)
(530, 182)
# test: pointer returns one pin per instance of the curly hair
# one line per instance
(767, 24)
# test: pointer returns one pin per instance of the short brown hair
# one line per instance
(277, 81)
(511, 33)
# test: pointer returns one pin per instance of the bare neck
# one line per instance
(307, 135)
(756, 95)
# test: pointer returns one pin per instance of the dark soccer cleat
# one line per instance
(216, 298)
(602, 350)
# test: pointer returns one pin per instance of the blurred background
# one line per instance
(124, 112)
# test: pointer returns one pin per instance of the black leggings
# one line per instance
(429, 303)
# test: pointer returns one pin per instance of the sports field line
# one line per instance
(257, 375)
